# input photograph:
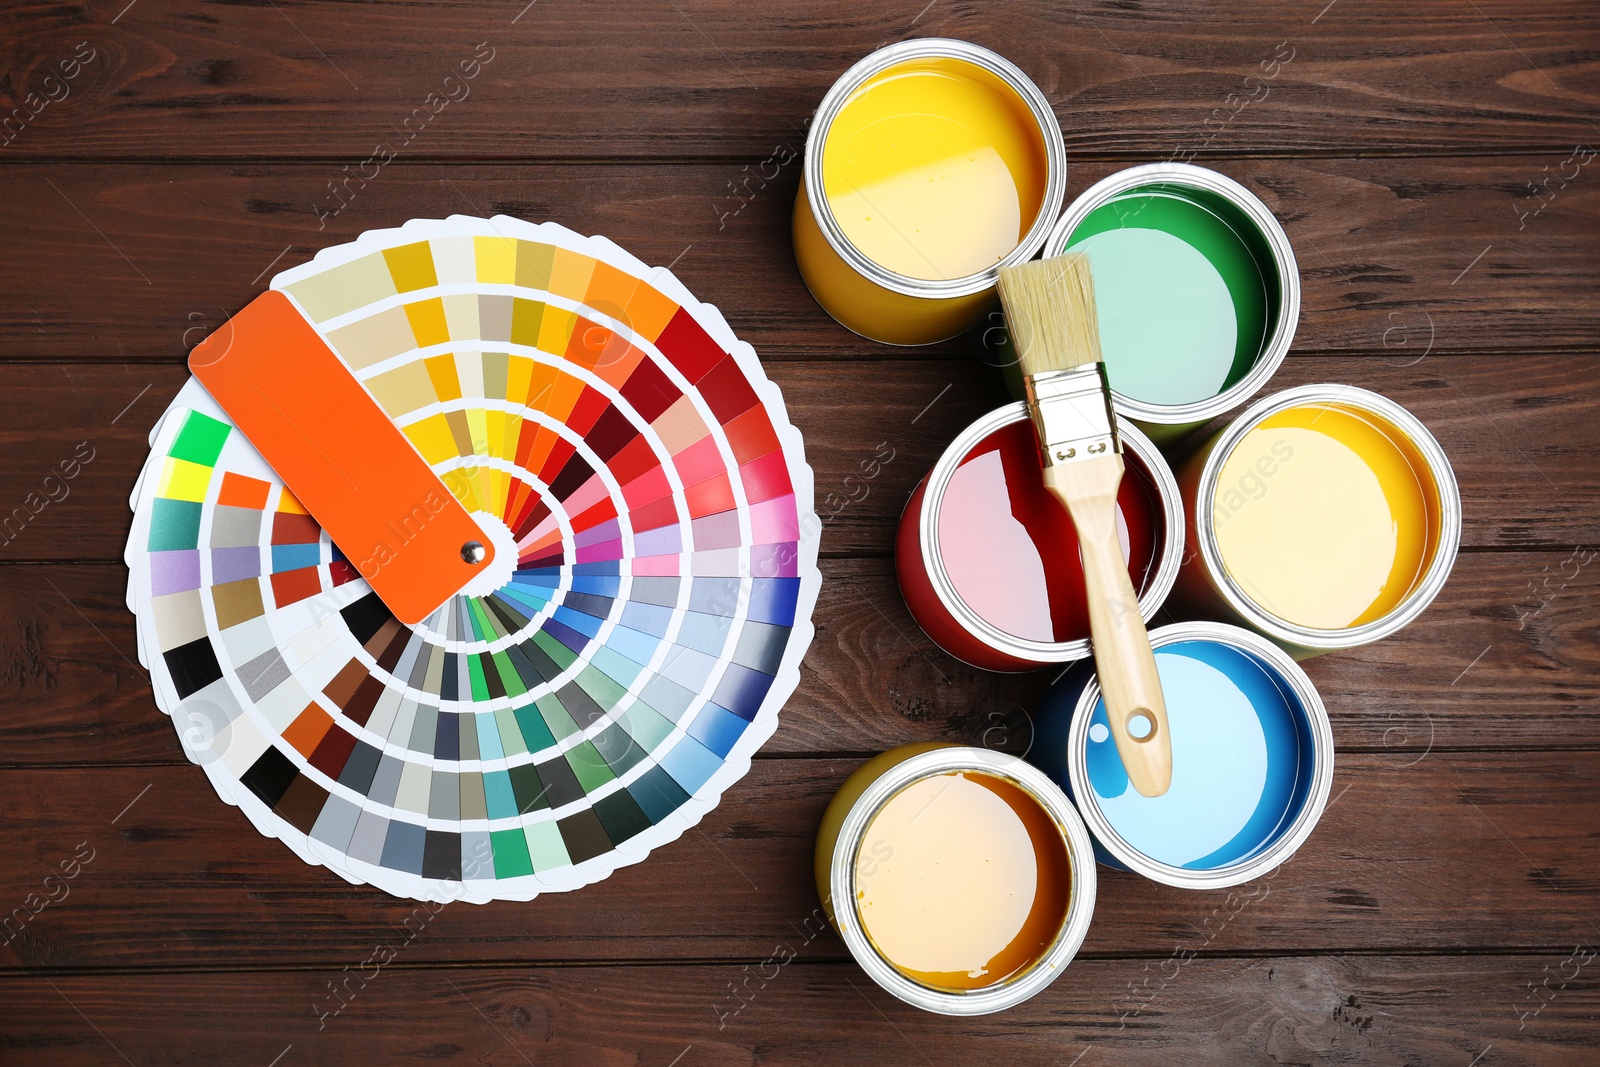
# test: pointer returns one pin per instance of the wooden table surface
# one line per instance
(1433, 165)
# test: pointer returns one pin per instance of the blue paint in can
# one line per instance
(1251, 760)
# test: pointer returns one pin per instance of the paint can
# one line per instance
(988, 559)
(961, 879)
(1324, 516)
(1196, 291)
(929, 165)
(1252, 760)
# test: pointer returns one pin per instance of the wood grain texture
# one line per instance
(1344, 1011)
(1451, 851)
(137, 262)
(718, 77)
(1420, 158)
(1492, 664)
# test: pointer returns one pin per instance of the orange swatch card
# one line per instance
(341, 455)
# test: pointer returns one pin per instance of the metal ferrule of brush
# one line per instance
(1071, 409)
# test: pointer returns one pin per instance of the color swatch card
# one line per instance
(587, 696)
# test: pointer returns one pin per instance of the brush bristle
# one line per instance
(1050, 313)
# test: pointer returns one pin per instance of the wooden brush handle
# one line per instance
(1123, 660)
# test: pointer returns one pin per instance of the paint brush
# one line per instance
(1050, 314)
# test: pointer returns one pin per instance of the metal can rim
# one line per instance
(936, 48)
(1276, 854)
(1277, 345)
(1450, 517)
(1044, 652)
(1080, 856)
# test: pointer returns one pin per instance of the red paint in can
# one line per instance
(988, 559)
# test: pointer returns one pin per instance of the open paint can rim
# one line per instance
(1276, 346)
(1270, 657)
(1081, 896)
(1439, 471)
(1150, 600)
(1055, 190)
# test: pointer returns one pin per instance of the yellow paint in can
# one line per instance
(1325, 516)
(934, 169)
(871, 310)
(932, 163)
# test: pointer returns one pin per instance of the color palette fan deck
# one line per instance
(592, 692)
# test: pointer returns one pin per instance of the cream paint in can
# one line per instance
(927, 852)
(1324, 516)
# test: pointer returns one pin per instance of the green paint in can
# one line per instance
(1179, 294)
(1196, 290)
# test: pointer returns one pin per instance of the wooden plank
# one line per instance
(1355, 1010)
(1457, 851)
(1521, 435)
(642, 79)
(1492, 664)
(1397, 257)
(1470, 673)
